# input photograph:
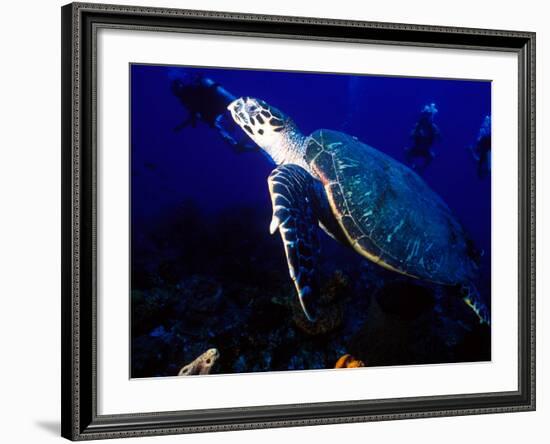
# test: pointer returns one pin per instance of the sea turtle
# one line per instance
(360, 197)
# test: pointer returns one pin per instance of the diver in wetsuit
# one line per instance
(207, 101)
(423, 136)
(481, 151)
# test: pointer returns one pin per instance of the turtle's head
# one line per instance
(269, 128)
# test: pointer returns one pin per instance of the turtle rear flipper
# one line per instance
(472, 298)
(292, 192)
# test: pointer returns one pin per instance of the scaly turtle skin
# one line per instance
(360, 197)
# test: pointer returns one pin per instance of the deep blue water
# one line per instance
(173, 168)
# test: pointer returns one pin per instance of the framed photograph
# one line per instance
(279, 221)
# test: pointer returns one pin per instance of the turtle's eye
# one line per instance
(252, 108)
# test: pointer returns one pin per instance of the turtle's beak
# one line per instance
(236, 104)
(236, 109)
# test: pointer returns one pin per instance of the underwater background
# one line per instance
(206, 273)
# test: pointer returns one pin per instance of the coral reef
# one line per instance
(331, 307)
(414, 323)
(203, 283)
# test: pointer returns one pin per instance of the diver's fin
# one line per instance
(183, 124)
(472, 298)
(190, 120)
(292, 197)
(437, 133)
(473, 151)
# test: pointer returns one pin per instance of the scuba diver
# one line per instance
(207, 101)
(481, 151)
(423, 136)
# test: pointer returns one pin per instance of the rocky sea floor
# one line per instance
(224, 285)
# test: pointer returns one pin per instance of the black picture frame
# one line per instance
(79, 169)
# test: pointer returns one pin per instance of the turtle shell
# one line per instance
(388, 213)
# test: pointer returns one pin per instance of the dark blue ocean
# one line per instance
(206, 273)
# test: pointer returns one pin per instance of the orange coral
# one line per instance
(348, 361)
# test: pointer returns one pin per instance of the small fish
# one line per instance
(348, 361)
(202, 365)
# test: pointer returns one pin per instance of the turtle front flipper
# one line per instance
(292, 196)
